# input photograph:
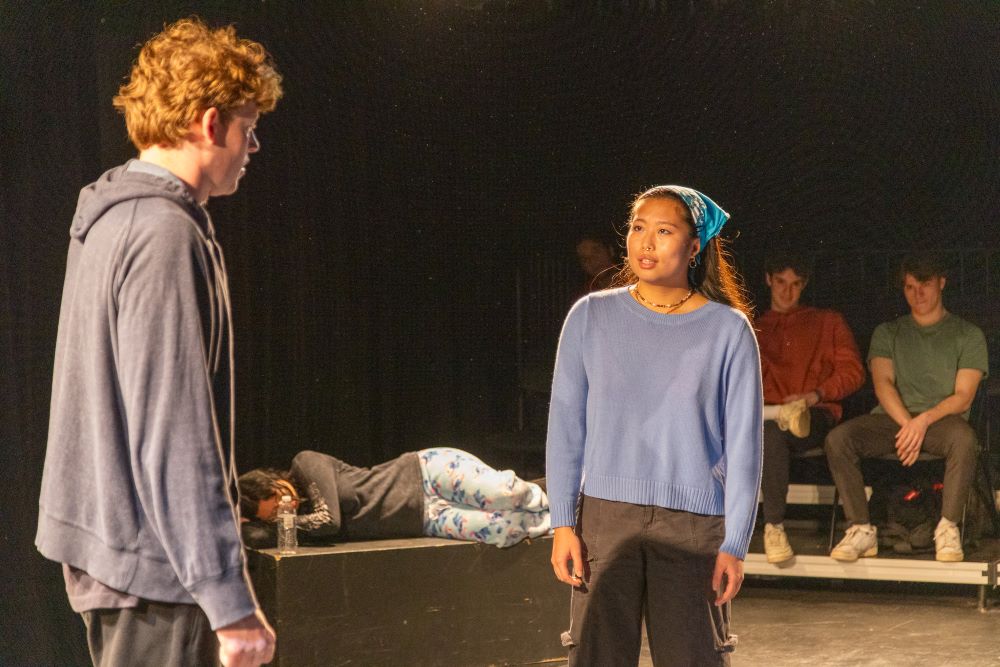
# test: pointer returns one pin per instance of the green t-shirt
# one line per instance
(926, 359)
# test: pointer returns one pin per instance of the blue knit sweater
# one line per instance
(657, 409)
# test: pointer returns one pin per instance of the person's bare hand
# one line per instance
(910, 438)
(730, 568)
(567, 549)
(246, 643)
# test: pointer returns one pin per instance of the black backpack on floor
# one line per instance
(912, 512)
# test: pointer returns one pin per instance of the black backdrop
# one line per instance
(424, 152)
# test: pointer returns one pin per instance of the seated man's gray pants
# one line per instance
(873, 436)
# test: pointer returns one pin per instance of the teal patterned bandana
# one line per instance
(708, 217)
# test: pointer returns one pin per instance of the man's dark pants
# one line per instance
(873, 436)
(153, 633)
(778, 449)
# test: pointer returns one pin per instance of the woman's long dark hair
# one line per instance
(257, 485)
(714, 277)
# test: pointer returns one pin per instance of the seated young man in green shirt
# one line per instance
(926, 367)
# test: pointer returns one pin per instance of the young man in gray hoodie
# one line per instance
(138, 488)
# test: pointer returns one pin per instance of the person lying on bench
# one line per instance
(809, 363)
(440, 492)
(926, 367)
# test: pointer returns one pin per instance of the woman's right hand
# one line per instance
(567, 553)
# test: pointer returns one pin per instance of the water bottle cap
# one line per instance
(286, 499)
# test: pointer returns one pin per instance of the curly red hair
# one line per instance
(187, 69)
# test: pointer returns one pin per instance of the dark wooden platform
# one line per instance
(422, 601)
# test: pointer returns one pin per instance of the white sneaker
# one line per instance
(776, 545)
(859, 542)
(948, 543)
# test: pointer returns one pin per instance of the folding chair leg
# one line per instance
(986, 492)
(833, 518)
(961, 525)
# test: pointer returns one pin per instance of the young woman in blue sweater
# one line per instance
(654, 444)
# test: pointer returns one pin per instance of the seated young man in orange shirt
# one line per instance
(809, 362)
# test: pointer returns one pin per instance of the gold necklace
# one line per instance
(668, 306)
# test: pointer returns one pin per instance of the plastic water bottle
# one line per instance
(288, 538)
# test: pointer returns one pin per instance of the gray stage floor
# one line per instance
(876, 624)
(865, 624)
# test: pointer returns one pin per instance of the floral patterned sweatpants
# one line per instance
(465, 499)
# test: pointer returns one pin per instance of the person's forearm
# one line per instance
(165, 382)
(848, 372)
(955, 404)
(316, 472)
(567, 427)
(564, 466)
(891, 402)
(743, 433)
(841, 384)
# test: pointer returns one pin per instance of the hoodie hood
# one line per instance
(123, 184)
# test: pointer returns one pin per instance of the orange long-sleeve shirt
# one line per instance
(809, 349)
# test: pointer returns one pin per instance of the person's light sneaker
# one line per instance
(859, 542)
(948, 543)
(794, 417)
(776, 546)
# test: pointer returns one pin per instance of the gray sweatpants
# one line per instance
(647, 562)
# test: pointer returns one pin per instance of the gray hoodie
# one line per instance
(138, 484)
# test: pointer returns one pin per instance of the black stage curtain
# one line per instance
(424, 151)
